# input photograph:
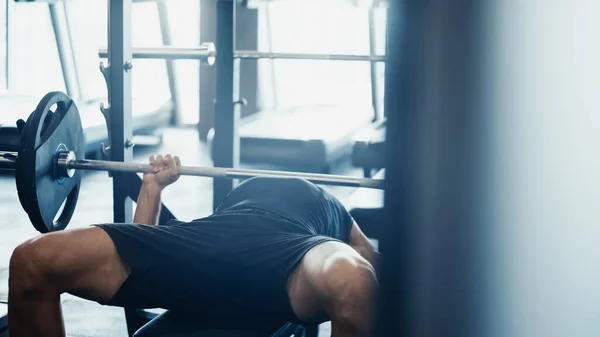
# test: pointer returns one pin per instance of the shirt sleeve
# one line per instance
(339, 220)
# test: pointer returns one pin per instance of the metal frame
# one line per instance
(118, 116)
(205, 53)
(246, 37)
(207, 75)
(7, 55)
(272, 66)
(256, 55)
(226, 147)
(118, 76)
(373, 51)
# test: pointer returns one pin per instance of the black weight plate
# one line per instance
(45, 133)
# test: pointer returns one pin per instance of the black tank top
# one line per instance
(258, 235)
(305, 204)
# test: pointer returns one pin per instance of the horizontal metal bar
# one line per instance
(255, 4)
(232, 173)
(8, 160)
(205, 53)
(255, 55)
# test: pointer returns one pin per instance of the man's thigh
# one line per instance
(83, 262)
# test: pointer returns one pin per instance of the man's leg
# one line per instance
(83, 262)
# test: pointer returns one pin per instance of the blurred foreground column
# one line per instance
(493, 170)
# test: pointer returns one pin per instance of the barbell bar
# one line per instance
(207, 54)
(66, 163)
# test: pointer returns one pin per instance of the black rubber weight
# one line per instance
(45, 132)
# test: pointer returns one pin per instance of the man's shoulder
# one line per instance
(349, 286)
(340, 282)
(344, 272)
(335, 269)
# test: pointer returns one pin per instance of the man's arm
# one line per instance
(149, 201)
(350, 285)
(360, 243)
(148, 204)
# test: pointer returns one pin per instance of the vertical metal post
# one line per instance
(208, 75)
(226, 149)
(7, 44)
(374, 65)
(165, 32)
(119, 57)
(246, 38)
(119, 124)
(273, 68)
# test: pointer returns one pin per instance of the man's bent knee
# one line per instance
(25, 270)
(83, 262)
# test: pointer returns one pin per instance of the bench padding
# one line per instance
(171, 324)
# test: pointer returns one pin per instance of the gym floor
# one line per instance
(189, 198)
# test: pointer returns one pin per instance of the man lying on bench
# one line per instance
(275, 250)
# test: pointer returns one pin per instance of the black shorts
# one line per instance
(224, 268)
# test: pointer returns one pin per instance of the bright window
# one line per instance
(184, 23)
(295, 27)
(88, 22)
(34, 63)
(3, 48)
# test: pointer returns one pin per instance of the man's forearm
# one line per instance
(148, 205)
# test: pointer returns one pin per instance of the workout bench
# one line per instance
(172, 324)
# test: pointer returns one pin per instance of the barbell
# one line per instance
(207, 53)
(49, 163)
